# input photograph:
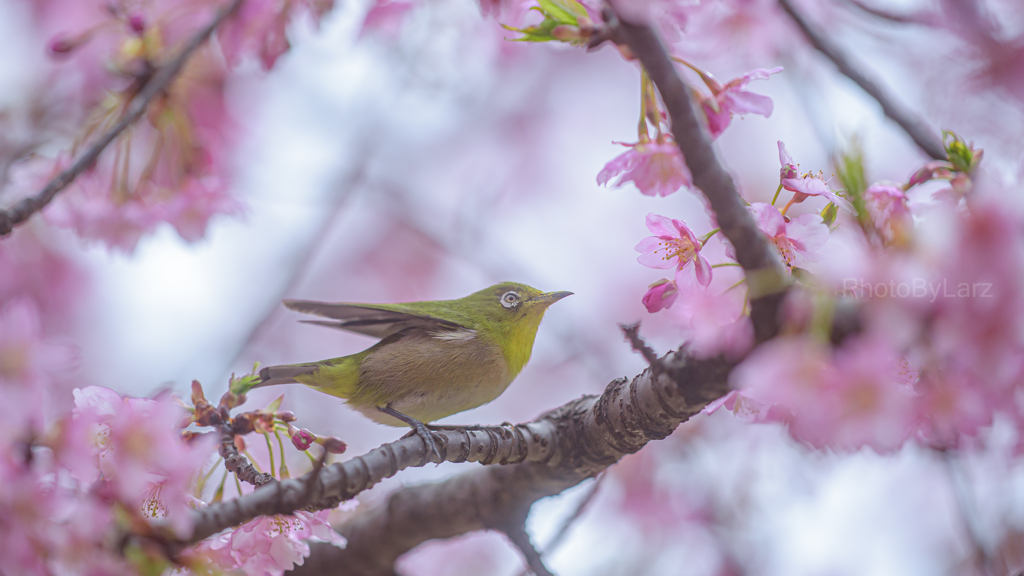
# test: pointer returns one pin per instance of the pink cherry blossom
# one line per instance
(656, 168)
(733, 98)
(139, 452)
(845, 399)
(385, 16)
(258, 28)
(713, 323)
(887, 206)
(797, 239)
(269, 545)
(808, 184)
(673, 245)
(660, 295)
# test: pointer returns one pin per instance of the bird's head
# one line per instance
(512, 303)
(510, 313)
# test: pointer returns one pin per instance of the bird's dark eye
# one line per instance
(510, 299)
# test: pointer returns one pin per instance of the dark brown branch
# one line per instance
(585, 437)
(766, 280)
(156, 85)
(923, 18)
(632, 332)
(911, 123)
(521, 539)
(237, 463)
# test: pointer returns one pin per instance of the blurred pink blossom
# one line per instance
(734, 98)
(887, 206)
(673, 245)
(655, 167)
(797, 239)
(31, 267)
(847, 398)
(269, 545)
(139, 452)
(385, 16)
(713, 322)
(259, 28)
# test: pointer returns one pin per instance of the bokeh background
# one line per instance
(434, 158)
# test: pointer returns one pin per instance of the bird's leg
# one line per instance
(418, 427)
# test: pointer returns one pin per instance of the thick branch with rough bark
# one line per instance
(558, 450)
(588, 435)
(157, 85)
(911, 123)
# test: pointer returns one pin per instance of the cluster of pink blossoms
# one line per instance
(174, 165)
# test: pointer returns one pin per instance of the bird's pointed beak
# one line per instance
(550, 298)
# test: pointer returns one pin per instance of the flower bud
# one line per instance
(303, 439)
(137, 23)
(61, 45)
(285, 416)
(332, 444)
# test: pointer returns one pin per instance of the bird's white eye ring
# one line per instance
(510, 299)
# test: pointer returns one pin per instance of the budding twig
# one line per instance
(156, 85)
(911, 123)
(521, 539)
(632, 332)
(237, 463)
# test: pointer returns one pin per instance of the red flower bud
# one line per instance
(303, 439)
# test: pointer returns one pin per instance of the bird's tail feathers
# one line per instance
(283, 374)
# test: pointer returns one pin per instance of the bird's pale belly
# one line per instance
(428, 378)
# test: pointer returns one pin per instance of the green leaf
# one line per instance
(276, 404)
(829, 213)
(850, 169)
(562, 11)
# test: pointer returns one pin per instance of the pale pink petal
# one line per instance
(662, 225)
(768, 218)
(648, 257)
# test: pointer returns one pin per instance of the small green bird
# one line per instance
(434, 359)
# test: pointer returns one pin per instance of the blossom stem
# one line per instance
(284, 465)
(707, 77)
(788, 204)
(724, 264)
(206, 478)
(219, 494)
(777, 191)
(270, 450)
(641, 128)
(742, 280)
(704, 239)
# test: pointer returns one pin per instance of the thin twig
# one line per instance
(563, 528)
(521, 539)
(910, 122)
(922, 18)
(966, 505)
(159, 82)
(632, 332)
(237, 463)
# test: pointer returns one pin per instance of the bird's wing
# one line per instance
(377, 320)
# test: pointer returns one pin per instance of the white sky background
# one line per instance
(348, 142)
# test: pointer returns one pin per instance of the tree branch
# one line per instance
(911, 123)
(557, 450)
(584, 437)
(156, 85)
(237, 463)
(766, 280)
